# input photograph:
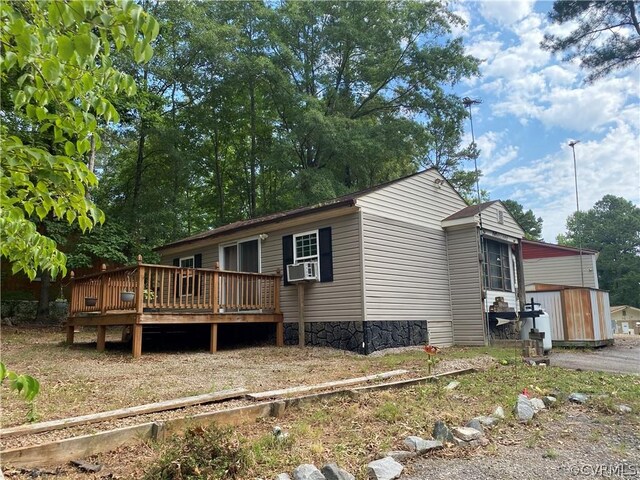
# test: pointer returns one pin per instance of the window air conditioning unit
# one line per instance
(301, 272)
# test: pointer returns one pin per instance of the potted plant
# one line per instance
(127, 296)
(90, 301)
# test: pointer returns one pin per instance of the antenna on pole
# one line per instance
(468, 102)
(573, 144)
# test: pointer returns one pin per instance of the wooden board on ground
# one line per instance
(411, 381)
(53, 453)
(322, 386)
(123, 412)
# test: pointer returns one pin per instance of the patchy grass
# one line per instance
(354, 431)
(77, 380)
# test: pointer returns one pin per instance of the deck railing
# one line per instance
(157, 288)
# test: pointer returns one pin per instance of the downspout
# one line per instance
(363, 284)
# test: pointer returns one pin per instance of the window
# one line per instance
(305, 247)
(187, 262)
(310, 246)
(497, 266)
(241, 256)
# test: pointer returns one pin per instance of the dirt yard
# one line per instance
(77, 380)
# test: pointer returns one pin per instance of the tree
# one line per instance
(56, 76)
(606, 38)
(531, 225)
(612, 227)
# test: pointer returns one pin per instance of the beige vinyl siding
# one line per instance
(561, 271)
(490, 216)
(337, 301)
(405, 268)
(340, 300)
(208, 251)
(417, 200)
(466, 287)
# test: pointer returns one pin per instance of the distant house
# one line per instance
(626, 319)
(398, 264)
(559, 265)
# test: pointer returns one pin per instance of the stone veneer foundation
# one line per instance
(355, 337)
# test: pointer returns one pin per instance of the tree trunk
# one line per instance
(137, 180)
(42, 315)
(252, 160)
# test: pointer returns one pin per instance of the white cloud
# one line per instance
(610, 165)
(505, 12)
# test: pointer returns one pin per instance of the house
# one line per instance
(626, 319)
(397, 264)
(559, 265)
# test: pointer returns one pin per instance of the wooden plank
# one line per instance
(188, 317)
(411, 381)
(61, 451)
(70, 332)
(322, 386)
(115, 318)
(123, 413)
(280, 334)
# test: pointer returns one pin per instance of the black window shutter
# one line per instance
(176, 262)
(197, 260)
(326, 255)
(287, 255)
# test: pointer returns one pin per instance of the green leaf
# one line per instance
(69, 149)
(82, 44)
(147, 54)
(65, 48)
(3, 371)
(51, 69)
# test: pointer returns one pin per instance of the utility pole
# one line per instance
(573, 144)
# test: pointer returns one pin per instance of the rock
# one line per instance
(420, 445)
(306, 471)
(452, 385)
(401, 455)
(332, 471)
(384, 469)
(283, 476)
(498, 412)
(624, 409)
(537, 404)
(549, 400)
(466, 434)
(475, 424)
(86, 466)
(480, 442)
(441, 432)
(486, 421)
(523, 410)
(578, 398)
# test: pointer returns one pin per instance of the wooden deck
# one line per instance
(173, 295)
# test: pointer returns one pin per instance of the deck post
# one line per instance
(215, 300)
(72, 303)
(136, 348)
(102, 334)
(213, 345)
(280, 334)
(70, 332)
(276, 292)
(104, 289)
(301, 314)
(140, 288)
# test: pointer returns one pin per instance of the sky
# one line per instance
(533, 104)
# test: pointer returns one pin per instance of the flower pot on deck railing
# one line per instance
(90, 301)
(127, 296)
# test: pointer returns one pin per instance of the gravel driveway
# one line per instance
(579, 445)
(622, 357)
